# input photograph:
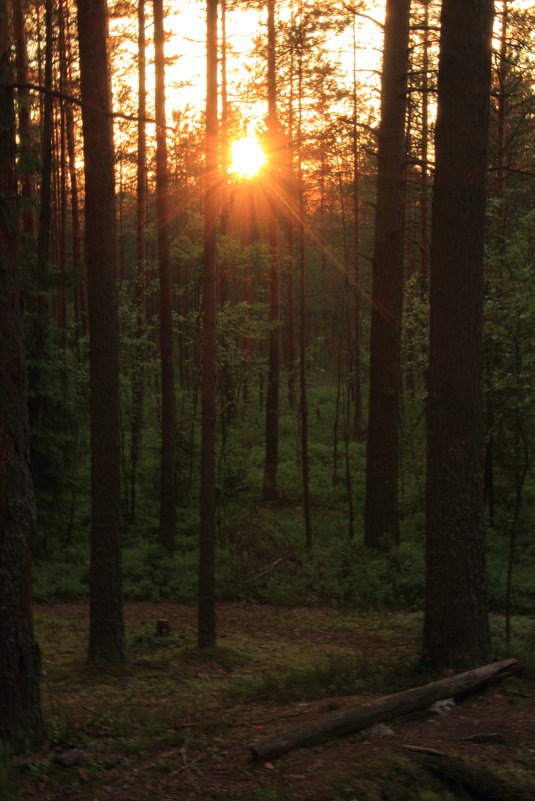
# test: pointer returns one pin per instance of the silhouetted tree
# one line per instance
(383, 447)
(20, 710)
(456, 631)
(168, 432)
(269, 490)
(207, 622)
(106, 633)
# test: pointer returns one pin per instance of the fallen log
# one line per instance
(391, 706)
(479, 782)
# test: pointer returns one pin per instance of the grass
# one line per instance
(342, 674)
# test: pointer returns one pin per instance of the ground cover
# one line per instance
(177, 723)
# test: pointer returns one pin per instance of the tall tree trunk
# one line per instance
(206, 619)
(20, 710)
(269, 490)
(106, 632)
(138, 370)
(63, 194)
(291, 354)
(168, 433)
(424, 170)
(45, 203)
(61, 215)
(357, 368)
(383, 451)
(80, 306)
(501, 175)
(456, 632)
(303, 397)
(24, 119)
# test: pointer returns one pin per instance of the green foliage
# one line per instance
(522, 645)
(63, 575)
(339, 572)
(59, 444)
(150, 574)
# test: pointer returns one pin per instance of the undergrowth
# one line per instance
(339, 675)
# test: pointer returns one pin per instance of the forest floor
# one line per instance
(177, 723)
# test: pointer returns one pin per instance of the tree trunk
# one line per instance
(303, 397)
(383, 450)
(270, 492)
(424, 170)
(20, 710)
(138, 369)
(45, 201)
(106, 635)
(206, 618)
(24, 118)
(456, 631)
(356, 355)
(168, 433)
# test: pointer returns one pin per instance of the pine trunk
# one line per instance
(106, 635)
(168, 433)
(383, 451)
(20, 710)
(270, 492)
(456, 631)
(206, 619)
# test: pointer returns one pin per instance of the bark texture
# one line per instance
(269, 489)
(168, 432)
(383, 449)
(456, 631)
(106, 636)
(20, 710)
(207, 622)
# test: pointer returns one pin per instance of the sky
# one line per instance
(186, 46)
(185, 81)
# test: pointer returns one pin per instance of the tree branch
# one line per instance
(34, 87)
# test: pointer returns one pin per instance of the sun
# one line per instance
(246, 157)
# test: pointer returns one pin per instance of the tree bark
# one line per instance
(206, 617)
(45, 205)
(456, 631)
(303, 396)
(20, 710)
(383, 449)
(269, 490)
(138, 368)
(357, 343)
(106, 634)
(168, 432)
(391, 706)
(24, 119)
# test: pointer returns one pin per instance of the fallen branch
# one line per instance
(391, 706)
(480, 782)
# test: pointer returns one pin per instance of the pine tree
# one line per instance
(106, 634)
(20, 711)
(456, 631)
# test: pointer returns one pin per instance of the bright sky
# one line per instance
(185, 79)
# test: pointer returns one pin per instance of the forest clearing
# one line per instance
(178, 723)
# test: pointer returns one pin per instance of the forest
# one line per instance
(267, 419)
